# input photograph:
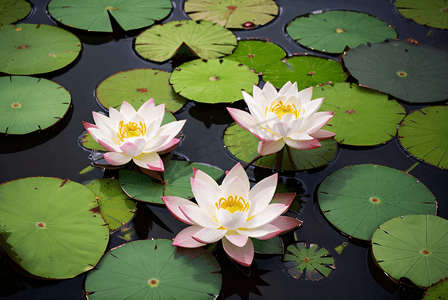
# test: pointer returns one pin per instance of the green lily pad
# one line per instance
(154, 269)
(115, 206)
(424, 132)
(413, 73)
(177, 181)
(357, 199)
(138, 86)
(270, 246)
(414, 247)
(13, 10)
(305, 70)
(233, 13)
(333, 31)
(28, 104)
(50, 226)
(243, 145)
(213, 81)
(308, 261)
(438, 291)
(257, 55)
(432, 13)
(96, 15)
(362, 117)
(203, 39)
(35, 49)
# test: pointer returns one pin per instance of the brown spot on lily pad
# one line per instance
(248, 25)
(142, 90)
(95, 210)
(350, 111)
(231, 7)
(22, 46)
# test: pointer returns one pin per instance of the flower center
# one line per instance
(280, 108)
(131, 129)
(232, 204)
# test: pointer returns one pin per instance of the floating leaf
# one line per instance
(361, 116)
(340, 248)
(243, 145)
(13, 10)
(51, 227)
(432, 13)
(357, 199)
(424, 132)
(233, 13)
(305, 70)
(413, 73)
(308, 261)
(203, 39)
(332, 31)
(213, 81)
(28, 104)
(138, 86)
(177, 181)
(154, 269)
(96, 15)
(257, 55)
(115, 206)
(413, 247)
(270, 246)
(438, 291)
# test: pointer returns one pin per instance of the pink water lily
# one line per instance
(287, 117)
(128, 134)
(232, 212)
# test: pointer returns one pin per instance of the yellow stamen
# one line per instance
(232, 204)
(280, 108)
(130, 130)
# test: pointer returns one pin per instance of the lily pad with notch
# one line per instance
(12, 11)
(413, 246)
(51, 227)
(362, 117)
(438, 291)
(431, 13)
(357, 199)
(96, 15)
(154, 269)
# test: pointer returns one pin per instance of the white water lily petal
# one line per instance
(269, 92)
(261, 194)
(242, 255)
(316, 121)
(117, 159)
(173, 203)
(268, 214)
(323, 134)
(238, 240)
(98, 135)
(208, 236)
(146, 109)
(303, 145)
(171, 129)
(156, 143)
(236, 171)
(205, 195)
(199, 217)
(305, 95)
(127, 110)
(301, 136)
(206, 179)
(149, 161)
(154, 121)
(242, 118)
(267, 231)
(102, 122)
(266, 148)
(184, 238)
(312, 107)
(231, 221)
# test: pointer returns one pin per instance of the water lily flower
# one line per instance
(232, 212)
(128, 134)
(285, 117)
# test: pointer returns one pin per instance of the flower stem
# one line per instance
(251, 162)
(278, 159)
(288, 150)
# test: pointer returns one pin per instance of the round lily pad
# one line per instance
(213, 81)
(413, 73)
(256, 54)
(96, 15)
(138, 86)
(305, 70)
(51, 227)
(28, 104)
(333, 31)
(13, 10)
(438, 291)
(203, 39)
(414, 247)
(424, 132)
(35, 48)
(115, 206)
(243, 145)
(308, 261)
(361, 116)
(270, 246)
(154, 269)
(357, 199)
(177, 181)
(233, 13)
(431, 13)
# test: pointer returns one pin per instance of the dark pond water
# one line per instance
(56, 153)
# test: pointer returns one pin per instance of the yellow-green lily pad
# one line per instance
(431, 13)
(13, 10)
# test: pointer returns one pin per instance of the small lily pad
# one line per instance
(115, 206)
(36, 48)
(154, 269)
(177, 181)
(424, 132)
(51, 227)
(203, 39)
(213, 81)
(28, 104)
(362, 117)
(13, 10)
(438, 291)
(414, 247)
(333, 31)
(270, 246)
(431, 13)
(138, 86)
(96, 15)
(233, 13)
(308, 261)
(305, 70)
